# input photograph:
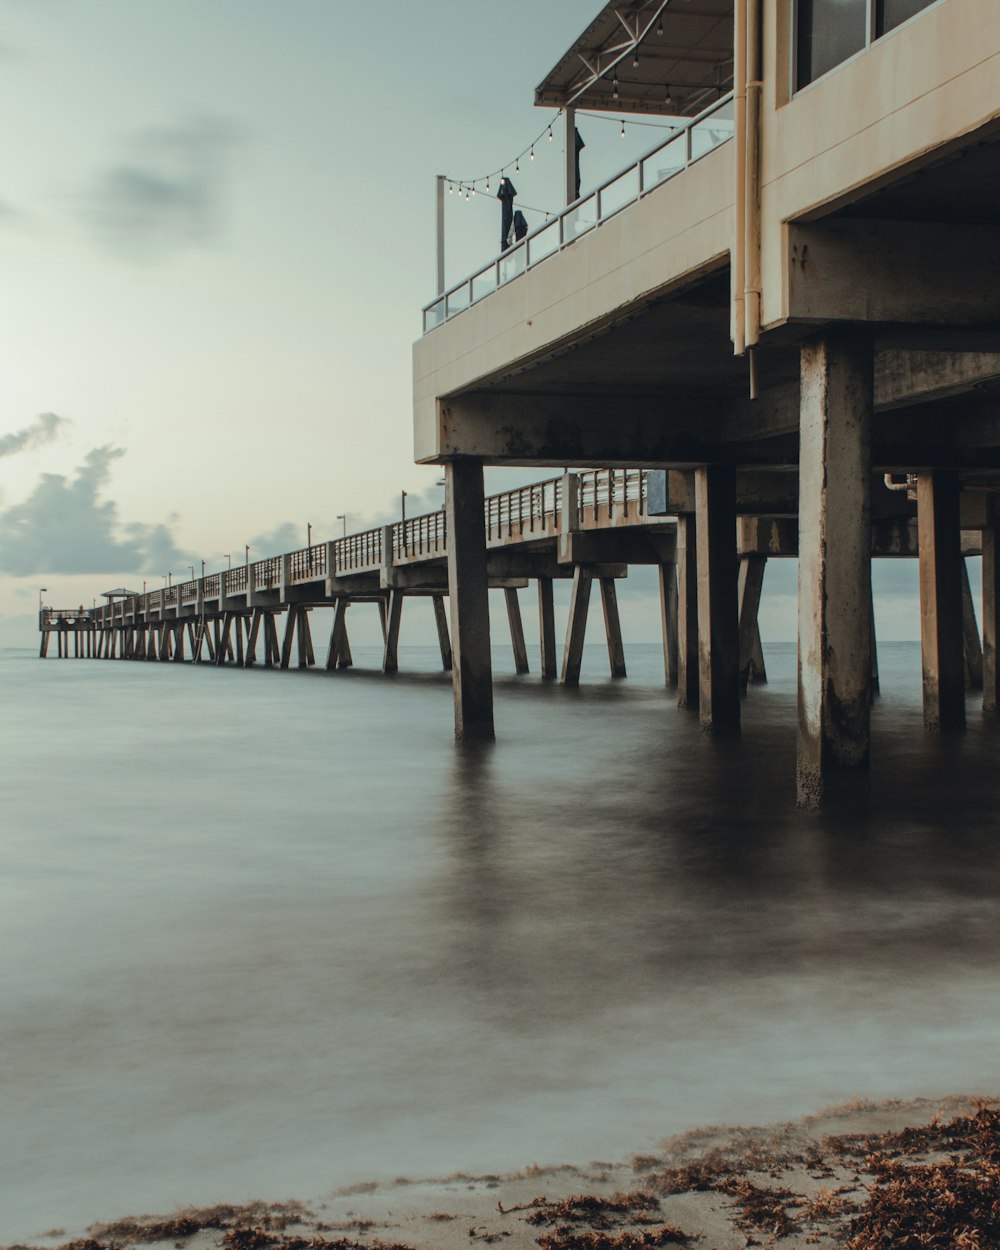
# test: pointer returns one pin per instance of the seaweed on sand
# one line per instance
(648, 1239)
(635, 1207)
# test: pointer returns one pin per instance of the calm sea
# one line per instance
(262, 934)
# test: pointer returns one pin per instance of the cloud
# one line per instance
(62, 527)
(284, 537)
(166, 193)
(42, 430)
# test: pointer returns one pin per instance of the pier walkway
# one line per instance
(586, 526)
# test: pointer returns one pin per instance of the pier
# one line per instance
(774, 334)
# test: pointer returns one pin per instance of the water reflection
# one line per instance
(334, 945)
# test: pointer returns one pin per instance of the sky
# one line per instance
(216, 235)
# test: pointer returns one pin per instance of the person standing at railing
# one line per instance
(505, 194)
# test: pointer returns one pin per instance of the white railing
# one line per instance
(687, 144)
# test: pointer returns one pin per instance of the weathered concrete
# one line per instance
(547, 627)
(516, 630)
(941, 634)
(668, 621)
(971, 643)
(576, 626)
(444, 639)
(991, 602)
(834, 704)
(472, 670)
(751, 583)
(687, 613)
(718, 633)
(613, 627)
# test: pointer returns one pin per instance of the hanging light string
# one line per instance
(469, 186)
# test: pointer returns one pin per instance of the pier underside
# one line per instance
(866, 417)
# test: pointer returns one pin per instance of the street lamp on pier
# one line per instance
(42, 590)
(229, 560)
(342, 516)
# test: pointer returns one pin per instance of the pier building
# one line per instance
(789, 311)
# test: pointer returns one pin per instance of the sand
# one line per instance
(864, 1175)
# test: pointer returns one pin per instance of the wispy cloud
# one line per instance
(42, 430)
(166, 193)
(63, 527)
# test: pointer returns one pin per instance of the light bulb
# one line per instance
(614, 87)
(517, 167)
(532, 153)
(623, 128)
(659, 28)
(635, 59)
(550, 134)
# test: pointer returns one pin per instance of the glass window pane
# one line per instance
(892, 12)
(829, 31)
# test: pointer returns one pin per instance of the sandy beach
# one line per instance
(863, 1175)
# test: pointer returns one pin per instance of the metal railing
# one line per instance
(359, 551)
(307, 564)
(420, 536)
(687, 144)
(533, 507)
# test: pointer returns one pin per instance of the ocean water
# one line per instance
(262, 934)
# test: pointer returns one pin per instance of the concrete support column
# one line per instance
(941, 635)
(547, 627)
(472, 672)
(516, 630)
(991, 601)
(576, 626)
(687, 612)
(718, 618)
(834, 564)
(390, 653)
(970, 631)
(750, 585)
(613, 627)
(444, 640)
(668, 622)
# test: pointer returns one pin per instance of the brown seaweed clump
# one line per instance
(634, 1207)
(648, 1239)
(947, 1203)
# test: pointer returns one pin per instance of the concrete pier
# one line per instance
(941, 626)
(470, 612)
(718, 633)
(834, 564)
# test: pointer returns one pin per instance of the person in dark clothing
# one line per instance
(520, 226)
(505, 194)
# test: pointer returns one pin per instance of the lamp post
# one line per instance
(342, 516)
(191, 567)
(229, 560)
(246, 549)
(42, 590)
(203, 570)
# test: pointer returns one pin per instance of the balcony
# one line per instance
(692, 140)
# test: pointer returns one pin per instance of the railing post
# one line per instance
(569, 520)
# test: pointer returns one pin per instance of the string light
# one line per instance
(659, 27)
(532, 153)
(635, 59)
(550, 134)
(614, 87)
(623, 127)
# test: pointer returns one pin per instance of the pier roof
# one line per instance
(685, 59)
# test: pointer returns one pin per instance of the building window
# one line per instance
(830, 31)
(891, 13)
